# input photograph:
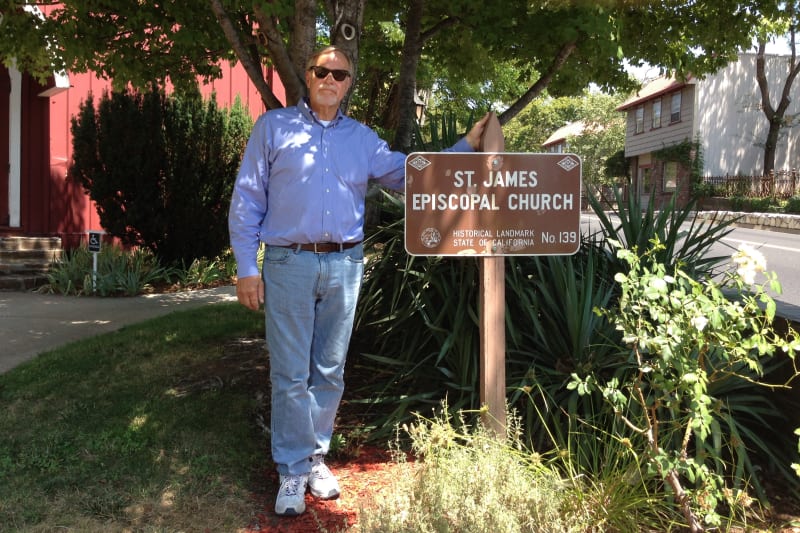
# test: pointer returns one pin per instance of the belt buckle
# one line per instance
(325, 247)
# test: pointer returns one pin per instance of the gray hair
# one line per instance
(326, 50)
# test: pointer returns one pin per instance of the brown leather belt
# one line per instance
(322, 247)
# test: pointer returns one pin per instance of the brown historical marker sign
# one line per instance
(492, 203)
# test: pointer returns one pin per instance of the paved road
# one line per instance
(782, 251)
(32, 323)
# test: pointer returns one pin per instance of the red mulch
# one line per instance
(362, 470)
(359, 479)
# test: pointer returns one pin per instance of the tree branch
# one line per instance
(541, 84)
(253, 69)
(794, 70)
(761, 79)
(293, 82)
(438, 28)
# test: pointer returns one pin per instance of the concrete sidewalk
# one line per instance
(32, 323)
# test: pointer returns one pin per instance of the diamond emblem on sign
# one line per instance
(419, 162)
(568, 163)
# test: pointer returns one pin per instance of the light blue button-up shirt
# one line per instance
(301, 181)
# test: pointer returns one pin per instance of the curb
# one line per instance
(764, 221)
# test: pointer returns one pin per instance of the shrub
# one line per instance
(691, 346)
(755, 205)
(793, 205)
(468, 480)
(160, 169)
(119, 272)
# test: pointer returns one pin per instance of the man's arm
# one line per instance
(247, 210)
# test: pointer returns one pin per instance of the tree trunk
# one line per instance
(347, 18)
(770, 147)
(406, 85)
(253, 69)
(775, 115)
(290, 61)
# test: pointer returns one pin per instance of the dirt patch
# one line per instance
(361, 470)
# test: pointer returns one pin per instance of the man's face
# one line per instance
(327, 92)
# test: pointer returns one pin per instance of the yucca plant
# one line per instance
(685, 237)
(416, 325)
(119, 272)
(443, 131)
(66, 275)
(421, 314)
(554, 332)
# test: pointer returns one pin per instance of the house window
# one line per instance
(675, 108)
(656, 113)
(645, 185)
(670, 176)
(640, 119)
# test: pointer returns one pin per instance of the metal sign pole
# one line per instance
(94, 245)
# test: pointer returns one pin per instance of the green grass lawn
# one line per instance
(149, 428)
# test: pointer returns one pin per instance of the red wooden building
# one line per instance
(37, 198)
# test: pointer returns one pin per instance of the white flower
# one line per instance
(699, 322)
(749, 261)
(658, 284)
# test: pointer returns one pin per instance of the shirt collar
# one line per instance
(305, 108)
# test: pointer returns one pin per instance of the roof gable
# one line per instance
(655, 88)
(573, 129)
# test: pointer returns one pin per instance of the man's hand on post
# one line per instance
(250, 292)
(474, 135)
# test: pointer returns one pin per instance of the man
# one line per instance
(300, 190)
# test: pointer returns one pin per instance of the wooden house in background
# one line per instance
(721, 113)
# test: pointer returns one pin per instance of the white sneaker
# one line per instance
(321, 481)
(291, 499)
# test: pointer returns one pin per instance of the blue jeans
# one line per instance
(310, 304)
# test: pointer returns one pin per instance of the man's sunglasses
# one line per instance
(322, 73)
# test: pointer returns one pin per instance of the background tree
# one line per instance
(782, 22)
(602, 137)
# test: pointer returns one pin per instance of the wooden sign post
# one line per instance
(493, 315)
(493, 344)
